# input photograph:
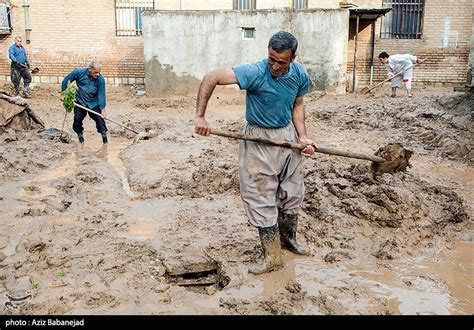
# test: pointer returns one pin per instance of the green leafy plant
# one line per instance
(34, 285)
(61, 274)
(69, 95)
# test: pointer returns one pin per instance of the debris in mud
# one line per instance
(54, 133)
(397, 159)
(336, 256)
(195, 270)
(387, 249)
(17, 300)
(16, 113)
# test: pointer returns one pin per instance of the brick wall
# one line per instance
(67, 34)
(447, 28)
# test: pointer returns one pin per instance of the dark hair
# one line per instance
(282, 41)
(383, 55)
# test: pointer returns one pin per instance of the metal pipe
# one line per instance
(26, 8)
(372, 49)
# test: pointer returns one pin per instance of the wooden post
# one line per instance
(355, 55)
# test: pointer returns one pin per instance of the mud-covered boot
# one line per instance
(288, 224)
(80, 136)
(17, 91)
(26, 92)
(271, 251)
(104, 138)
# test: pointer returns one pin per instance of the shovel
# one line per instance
(367, 89)
(33, 71)
(396, 158)
(140, 135)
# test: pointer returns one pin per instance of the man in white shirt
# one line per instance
(396, 64)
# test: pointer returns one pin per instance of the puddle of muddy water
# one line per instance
(459, 175)
(110, 153)
(440, 285)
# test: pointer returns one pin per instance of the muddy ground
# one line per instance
(89, 230)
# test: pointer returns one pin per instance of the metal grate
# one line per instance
(404, 21)
(128, 16)
(5, 19)
(300, 4)
(244, 4)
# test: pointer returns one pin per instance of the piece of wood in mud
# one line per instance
(189, 263)
(208, 280)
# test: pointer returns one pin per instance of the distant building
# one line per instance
(60, 35)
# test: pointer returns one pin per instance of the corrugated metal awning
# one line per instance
(368, 13)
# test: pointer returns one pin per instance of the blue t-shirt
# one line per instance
(90, 92)
(270, 100)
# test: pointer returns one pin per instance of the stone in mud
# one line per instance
(54, 133)
(386, 249)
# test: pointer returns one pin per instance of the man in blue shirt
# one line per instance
(19, 67)
(271, 178)
(90, 94)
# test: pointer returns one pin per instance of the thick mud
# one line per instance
(90, 229)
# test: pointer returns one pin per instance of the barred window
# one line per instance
(300, 4)
(128, 18)
(5, 19)
(245, 4)
(404, 21)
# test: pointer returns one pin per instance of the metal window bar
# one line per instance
(245, 5)
(128, 18)
(300, 4)
(5, 19)
(404, 21)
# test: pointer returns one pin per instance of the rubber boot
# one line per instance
(271, 251)
(80, 137)
(26, 92)
(104, 138)
(288, 224)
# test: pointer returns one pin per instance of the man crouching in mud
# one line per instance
(271, 178)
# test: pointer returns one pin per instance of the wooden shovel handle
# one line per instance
(298, 146)
(106, 118)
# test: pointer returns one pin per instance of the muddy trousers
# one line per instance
(17, 72)
(271, 178)
(80, 114)
(403, 80)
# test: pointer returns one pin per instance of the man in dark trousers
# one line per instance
(90, 94)
(20, 67)
(271, 178)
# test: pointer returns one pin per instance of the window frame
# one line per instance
(305, 5)
(413, 10)
(253, 2)
(121, 32)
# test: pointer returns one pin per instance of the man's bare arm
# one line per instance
(206, 88)
(299, 122)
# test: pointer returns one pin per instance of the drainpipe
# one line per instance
(355, 55)
(26, 7)
(372, 50)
